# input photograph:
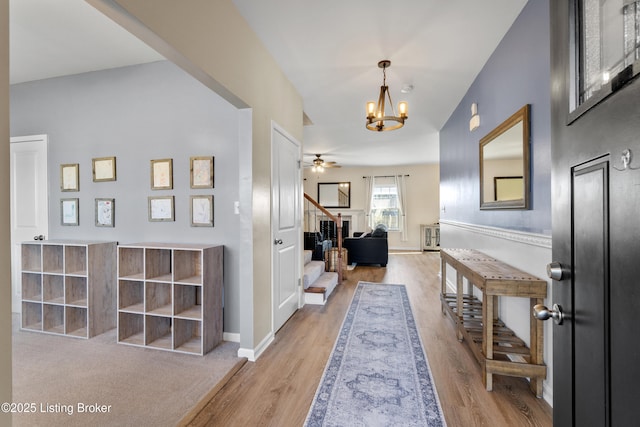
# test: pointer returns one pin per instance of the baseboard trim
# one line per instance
(253, 354)
(533, 239)
(405, 248)
(547, 393)
(231, 337)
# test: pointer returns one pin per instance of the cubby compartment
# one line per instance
(31, 257)
(188, 301)
(131, 296)
(53, 318)
(158, 298)
(75, 294)
(76, 321)
(131, 328)
(188, 336)
(31, 286)
(188, 266)
(75, 260)
(158, 265)
(53, 259)
(158, 332)
(53, 288)
(76, 291)
(131, 263)
(32, 316)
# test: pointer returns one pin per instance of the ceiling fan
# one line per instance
(318, 164)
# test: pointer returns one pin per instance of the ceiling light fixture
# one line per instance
(375, 113)
(318, 164)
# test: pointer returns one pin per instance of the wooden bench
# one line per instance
(494, 345)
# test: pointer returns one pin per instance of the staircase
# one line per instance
(318, 283)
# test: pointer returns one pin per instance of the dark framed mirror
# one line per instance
(504, 164)
(334, 194)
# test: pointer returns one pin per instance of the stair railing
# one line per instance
(338, 221)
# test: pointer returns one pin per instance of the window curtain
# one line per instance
(368, 194)
(401, 189)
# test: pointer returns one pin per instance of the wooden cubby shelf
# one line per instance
(170, 296)
(68, 287)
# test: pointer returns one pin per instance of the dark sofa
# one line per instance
(373, 248)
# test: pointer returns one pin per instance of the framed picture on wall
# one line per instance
(104, 169)
(69, 214)
(105, 212)
(162, 174)
(69, 177)
(201, 211)
(202, 172)
(161, 208)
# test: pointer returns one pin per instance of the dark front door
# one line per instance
(596, 239)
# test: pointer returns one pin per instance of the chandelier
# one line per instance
(376, 116)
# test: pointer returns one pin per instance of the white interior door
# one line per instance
(286, 202)
(29, 202)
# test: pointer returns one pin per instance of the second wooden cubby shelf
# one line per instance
(170, 296)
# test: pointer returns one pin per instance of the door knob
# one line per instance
(556, 271)
(541, 312)
(277, 242)
(39, 237)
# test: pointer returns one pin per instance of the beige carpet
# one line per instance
(135, 386)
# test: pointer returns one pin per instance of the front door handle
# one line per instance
(39, 237)
(541, 312)
(277, 242)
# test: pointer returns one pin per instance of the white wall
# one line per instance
(527, 251)
(5, 226)
(422, 187)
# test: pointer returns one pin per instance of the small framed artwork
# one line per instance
(161, 208)
(202, 172)
(69, 177)
(202, 211)
(104, 169)
(105, 212)
(69, 211)
(162, 174)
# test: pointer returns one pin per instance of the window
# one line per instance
(385, 207)
(608, 40)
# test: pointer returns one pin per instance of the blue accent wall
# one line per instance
(517, 73)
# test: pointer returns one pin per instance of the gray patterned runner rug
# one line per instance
(377, 374)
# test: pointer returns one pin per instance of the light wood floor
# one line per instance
(277, 390)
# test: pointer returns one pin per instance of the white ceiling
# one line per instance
(52, 38)
(329, 50)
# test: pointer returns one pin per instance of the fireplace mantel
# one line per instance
(355, 217)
